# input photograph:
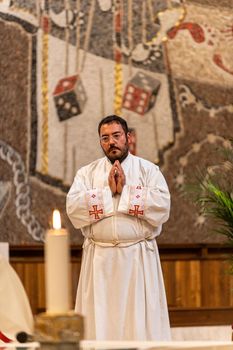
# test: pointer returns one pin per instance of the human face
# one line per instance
(114, 141)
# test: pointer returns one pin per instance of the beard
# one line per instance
(115, 153)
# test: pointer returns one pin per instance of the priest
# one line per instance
(120, 203)
(15, 311)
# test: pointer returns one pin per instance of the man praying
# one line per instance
(120, 203)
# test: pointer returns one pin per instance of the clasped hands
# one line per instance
(116, 178)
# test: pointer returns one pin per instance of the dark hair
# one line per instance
(114, 119)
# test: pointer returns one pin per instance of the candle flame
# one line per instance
(56, 219)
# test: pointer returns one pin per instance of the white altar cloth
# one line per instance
(133, 345)
(171, 345)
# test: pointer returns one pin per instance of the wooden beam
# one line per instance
(200, 316)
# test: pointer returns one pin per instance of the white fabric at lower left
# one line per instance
(15, 311)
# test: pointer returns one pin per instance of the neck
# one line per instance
(121, 159)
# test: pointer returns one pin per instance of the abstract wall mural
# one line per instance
(165, 66)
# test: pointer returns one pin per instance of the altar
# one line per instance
(133, 345)
(150, 345)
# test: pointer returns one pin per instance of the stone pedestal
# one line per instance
(61, 331)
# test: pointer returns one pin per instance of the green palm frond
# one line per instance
(213, 195)
(217, 204)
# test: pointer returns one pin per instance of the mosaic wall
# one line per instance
(165, 66)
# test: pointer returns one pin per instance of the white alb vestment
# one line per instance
(15, 311)
(121, 290)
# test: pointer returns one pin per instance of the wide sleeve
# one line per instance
(150, 202)
(85, 205)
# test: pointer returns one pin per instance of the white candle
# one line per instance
(57, 269)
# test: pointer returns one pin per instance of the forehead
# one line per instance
(110, 128)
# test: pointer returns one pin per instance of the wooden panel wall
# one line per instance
(198, 284)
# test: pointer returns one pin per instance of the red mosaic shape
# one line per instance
(69, 97)
(141, 93)
(45, 24)
(194, 29)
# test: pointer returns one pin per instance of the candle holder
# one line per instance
(59, 331)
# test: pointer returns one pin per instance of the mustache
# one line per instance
(112, 148)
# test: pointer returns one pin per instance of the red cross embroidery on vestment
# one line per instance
(136, 211)
(96, 212)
